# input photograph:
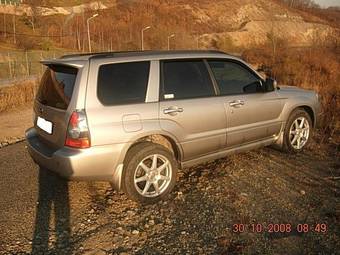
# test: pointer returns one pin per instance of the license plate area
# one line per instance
(44, 125)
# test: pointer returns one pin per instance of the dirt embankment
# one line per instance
(251, 24)
(16, 111)
(17, 94)
(24, 9)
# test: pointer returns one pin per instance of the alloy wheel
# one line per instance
(299, 133)
(153, 175)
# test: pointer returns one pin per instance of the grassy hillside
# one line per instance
(230, 25)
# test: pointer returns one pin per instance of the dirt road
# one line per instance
(42, 214)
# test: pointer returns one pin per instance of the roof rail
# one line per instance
(112, 53)
(102, 53)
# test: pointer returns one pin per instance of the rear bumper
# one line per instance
(96, 163)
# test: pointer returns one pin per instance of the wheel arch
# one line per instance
(162, 138)
(308, 109)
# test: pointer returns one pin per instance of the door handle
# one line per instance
(172, 110)
(236, 103)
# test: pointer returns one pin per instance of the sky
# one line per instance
(327, 3)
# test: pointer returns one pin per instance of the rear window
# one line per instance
(56, 86)
(123, 83)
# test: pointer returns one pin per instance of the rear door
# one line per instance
(52, 100)
(117, 103)
(189, 108)
(252, 113)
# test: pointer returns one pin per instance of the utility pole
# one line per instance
(88, 30)
(142, 35)
(170, 36)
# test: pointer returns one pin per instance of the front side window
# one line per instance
(232, 78)
(123, 83)
(185, 79)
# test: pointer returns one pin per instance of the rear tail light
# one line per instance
(78, 134)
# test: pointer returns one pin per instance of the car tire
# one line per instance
(149, 173)
(298, 131)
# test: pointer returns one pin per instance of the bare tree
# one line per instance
(35, 12)
(5, 32)
(78, 33)
(14, 30)
(272, 37)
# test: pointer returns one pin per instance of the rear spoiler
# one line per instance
(76, 64)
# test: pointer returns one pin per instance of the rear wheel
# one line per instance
(149, 172)
(298, 131)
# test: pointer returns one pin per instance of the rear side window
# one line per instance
(56, 86)
(186, 79)
(123, 83)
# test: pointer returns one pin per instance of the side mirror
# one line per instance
(270, 85)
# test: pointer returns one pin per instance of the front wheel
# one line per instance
(149, 173)
(298, 131)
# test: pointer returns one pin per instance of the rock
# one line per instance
(151, 222)
(179, 196)
(116, 239)
(302, 192)
(95, 252)
(135, 232)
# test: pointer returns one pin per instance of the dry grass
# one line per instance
(313, 68)
(17, 94)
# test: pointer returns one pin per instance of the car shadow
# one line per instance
(52, 207)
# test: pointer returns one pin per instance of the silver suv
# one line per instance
(135, 118)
